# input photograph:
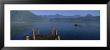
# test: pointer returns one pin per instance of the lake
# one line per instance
(66, 30)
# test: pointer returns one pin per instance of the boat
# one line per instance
(75, 24)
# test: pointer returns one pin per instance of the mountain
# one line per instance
(87, 18)
(28, 16)
(89, 15)
(24, 16)
(60, 16)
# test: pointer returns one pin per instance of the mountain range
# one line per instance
(28, 16)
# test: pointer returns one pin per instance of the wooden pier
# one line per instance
(37, 36)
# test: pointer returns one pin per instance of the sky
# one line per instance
(67, 12)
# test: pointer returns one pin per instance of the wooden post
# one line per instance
(27, 37)
(56, 33)
(33, 34)
(38, 31)
(58, 37)
(52, 31)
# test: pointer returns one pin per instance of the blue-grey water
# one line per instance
(66, 30)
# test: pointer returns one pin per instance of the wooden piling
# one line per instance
(27, 37)
(33, 35)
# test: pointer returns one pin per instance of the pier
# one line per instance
(37, 36)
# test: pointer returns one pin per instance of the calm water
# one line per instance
(67, 31)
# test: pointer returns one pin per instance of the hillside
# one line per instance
(24, 16)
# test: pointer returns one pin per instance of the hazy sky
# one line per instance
(67, 12)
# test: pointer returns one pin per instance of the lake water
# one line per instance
(66, 30)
